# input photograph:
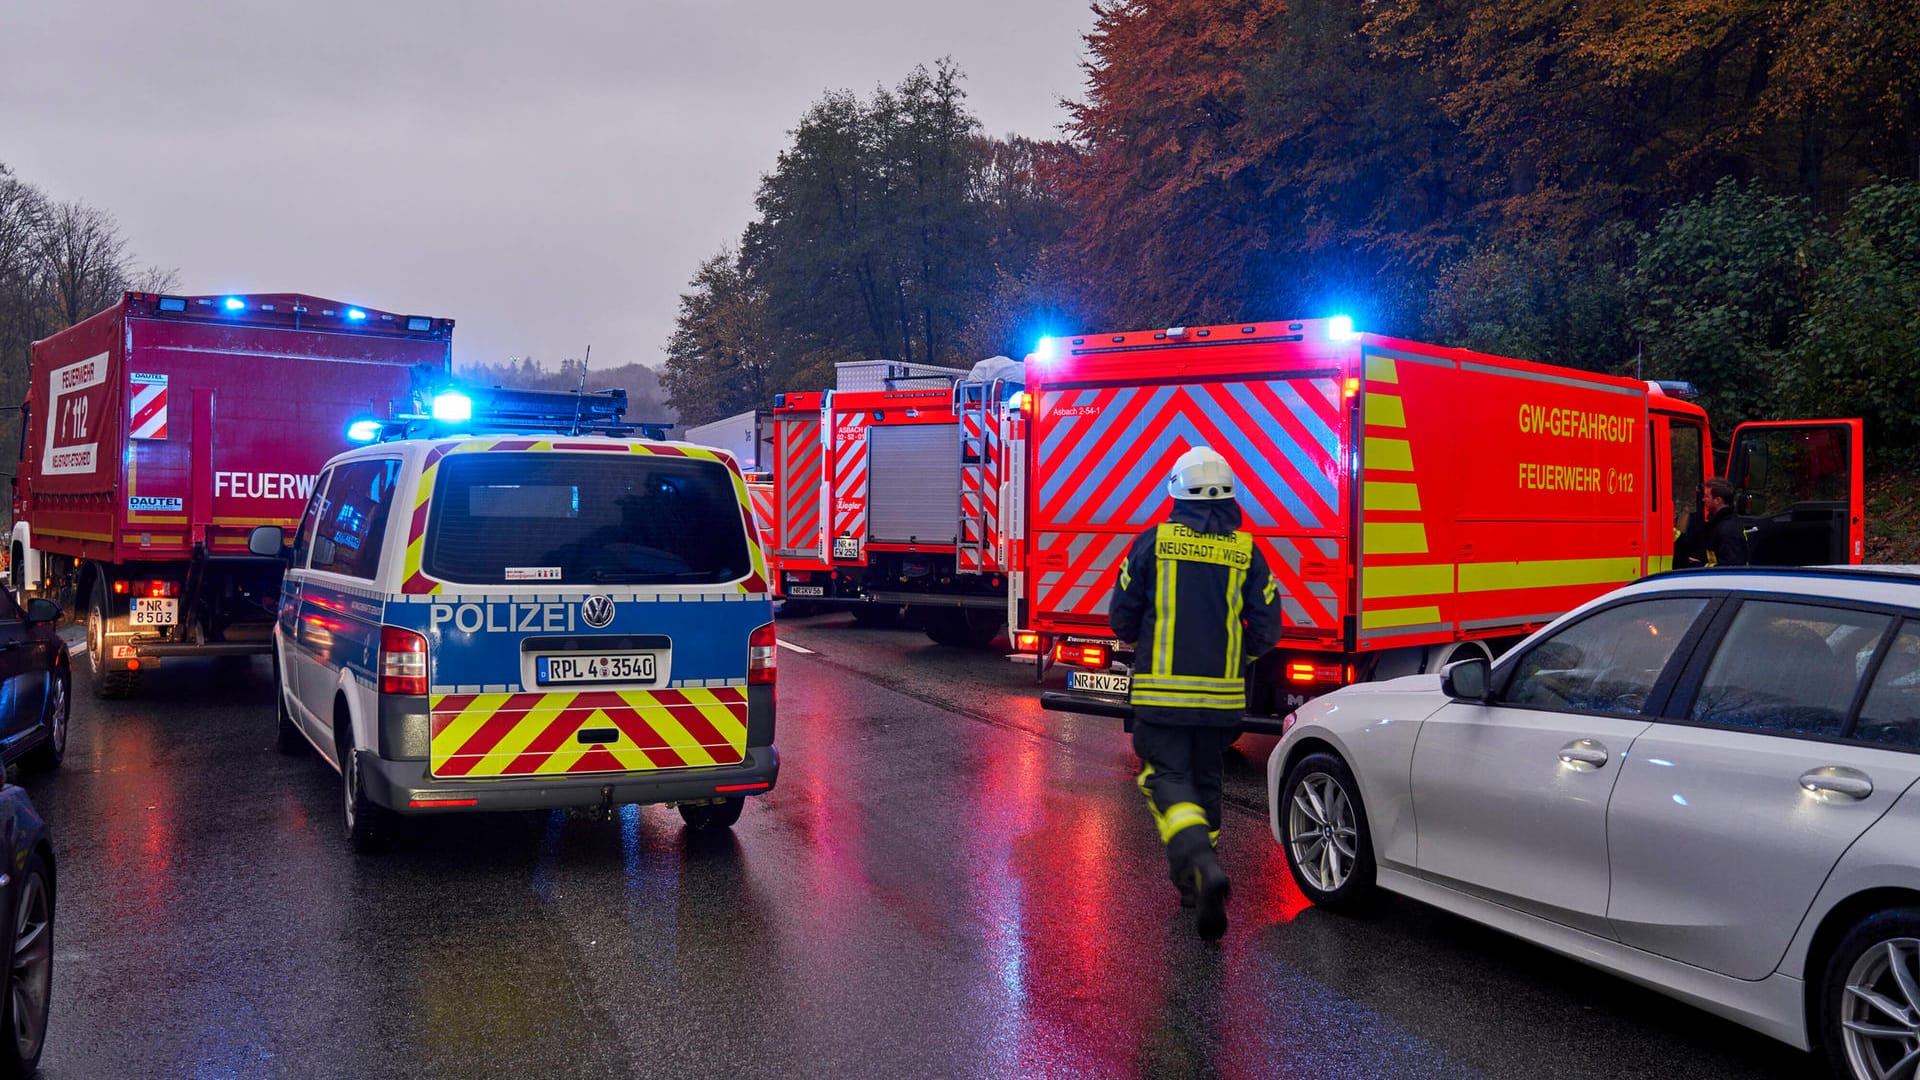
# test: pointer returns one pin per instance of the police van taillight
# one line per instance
(403, 661)
(762, 657)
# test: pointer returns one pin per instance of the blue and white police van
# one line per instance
(508, 601)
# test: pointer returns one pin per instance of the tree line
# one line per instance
(1722, 191)
(60, 261)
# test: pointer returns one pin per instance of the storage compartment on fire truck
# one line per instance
(913, 484)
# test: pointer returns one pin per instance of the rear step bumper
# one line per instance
(1067, 701)
(398, 784)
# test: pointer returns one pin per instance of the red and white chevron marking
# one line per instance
(149, 407)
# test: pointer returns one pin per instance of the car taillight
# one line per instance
(762, 657)
(403, 661)
(1026, 641)
(1080, 655)
(156, 588)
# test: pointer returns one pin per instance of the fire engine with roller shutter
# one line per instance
(897, 494)
(1417, 504)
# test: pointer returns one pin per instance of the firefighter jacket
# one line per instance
(1720, 540)
(1197, 600)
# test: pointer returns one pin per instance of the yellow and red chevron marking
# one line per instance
(537, 734)
(413, 581)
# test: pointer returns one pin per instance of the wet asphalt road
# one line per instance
(946, 882)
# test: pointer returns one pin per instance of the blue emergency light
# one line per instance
(452, 405)
(234, 303)
(1044, 348)
(1340, 328)
(364, 431)
(354, 314)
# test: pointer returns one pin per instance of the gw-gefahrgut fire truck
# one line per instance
(161, 431)
(1417, 504)
(892, 490)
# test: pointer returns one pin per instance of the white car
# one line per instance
(1702, 782)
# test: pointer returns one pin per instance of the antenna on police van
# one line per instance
(580, 396)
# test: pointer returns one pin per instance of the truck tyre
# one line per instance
(368, 828)
(107, 684)
(962, 628)
(287, 737)
(713, 817)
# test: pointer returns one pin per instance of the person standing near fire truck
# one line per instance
(1197, 598)
(1714, 537)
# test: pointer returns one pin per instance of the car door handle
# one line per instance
(1838, 780)
(1584, 754)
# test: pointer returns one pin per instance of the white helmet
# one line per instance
(1201, 473)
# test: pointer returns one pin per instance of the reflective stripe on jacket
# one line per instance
(1197, 606)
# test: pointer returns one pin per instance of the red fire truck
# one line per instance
(893, 496)
(1417, 504)
(134, 515)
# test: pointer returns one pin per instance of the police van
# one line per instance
(479, 614)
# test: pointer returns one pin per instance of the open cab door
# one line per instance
(1800, 490)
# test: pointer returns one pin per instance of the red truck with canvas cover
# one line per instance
(1417, 504)
(160, 432)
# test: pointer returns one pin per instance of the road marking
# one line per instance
(801, 649)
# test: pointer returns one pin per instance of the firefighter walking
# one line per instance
(1197, 599)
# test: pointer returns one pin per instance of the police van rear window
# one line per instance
(511, 518)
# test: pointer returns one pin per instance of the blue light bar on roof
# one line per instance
(354, 314)
(452, 405)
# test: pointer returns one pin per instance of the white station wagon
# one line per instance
(1703, 782)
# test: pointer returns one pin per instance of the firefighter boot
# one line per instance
(1210, 888)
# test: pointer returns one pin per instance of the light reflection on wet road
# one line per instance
(947, 881)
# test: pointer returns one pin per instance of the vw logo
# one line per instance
(597, 612)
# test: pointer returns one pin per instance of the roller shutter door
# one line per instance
(913, 484)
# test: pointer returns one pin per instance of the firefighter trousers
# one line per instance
(1180, 776)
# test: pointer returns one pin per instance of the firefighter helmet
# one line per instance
(1201, 473)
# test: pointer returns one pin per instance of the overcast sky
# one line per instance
(547, 172)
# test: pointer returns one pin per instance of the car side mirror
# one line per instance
(267, 541)
(324, 551)
(1467, 680)
(42, 610)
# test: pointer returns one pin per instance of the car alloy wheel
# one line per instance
(1880, 1011)
(58, 710)
(31, 983)
(1321, 831)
